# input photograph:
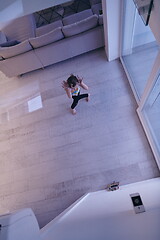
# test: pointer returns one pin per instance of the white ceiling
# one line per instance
(10, 9)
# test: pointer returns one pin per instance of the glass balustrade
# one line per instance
(140, 56)
(139, 48)
(144, 8)
(151, 112)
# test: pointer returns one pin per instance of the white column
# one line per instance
(112, 27)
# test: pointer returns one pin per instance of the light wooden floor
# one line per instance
(48, 157)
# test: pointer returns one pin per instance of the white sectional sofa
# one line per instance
(55, 42)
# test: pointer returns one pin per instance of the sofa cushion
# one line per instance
(7, 52)
(100, 19)
(47, 28)
(47, 38)
(9, 43)
(97, 8)
(3, 38)
(80, 26)
(77, 17)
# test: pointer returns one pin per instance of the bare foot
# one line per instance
(73, 111)
(88, 98)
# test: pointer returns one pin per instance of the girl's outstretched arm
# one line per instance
(82, 84)
(65, 86)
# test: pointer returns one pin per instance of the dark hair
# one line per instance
(72, 81)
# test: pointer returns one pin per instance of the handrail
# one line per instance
(144, 9)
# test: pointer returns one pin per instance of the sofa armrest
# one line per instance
(8, 52)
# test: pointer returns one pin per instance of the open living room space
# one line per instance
(50, 158)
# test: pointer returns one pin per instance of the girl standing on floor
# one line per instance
(72, 88)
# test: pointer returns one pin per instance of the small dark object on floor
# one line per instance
(113, 186)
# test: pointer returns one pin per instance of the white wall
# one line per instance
(110, 215)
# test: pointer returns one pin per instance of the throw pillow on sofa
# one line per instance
(48, 38)
(7, 52)
(77, 17)
(80, 26)
(48, 28)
